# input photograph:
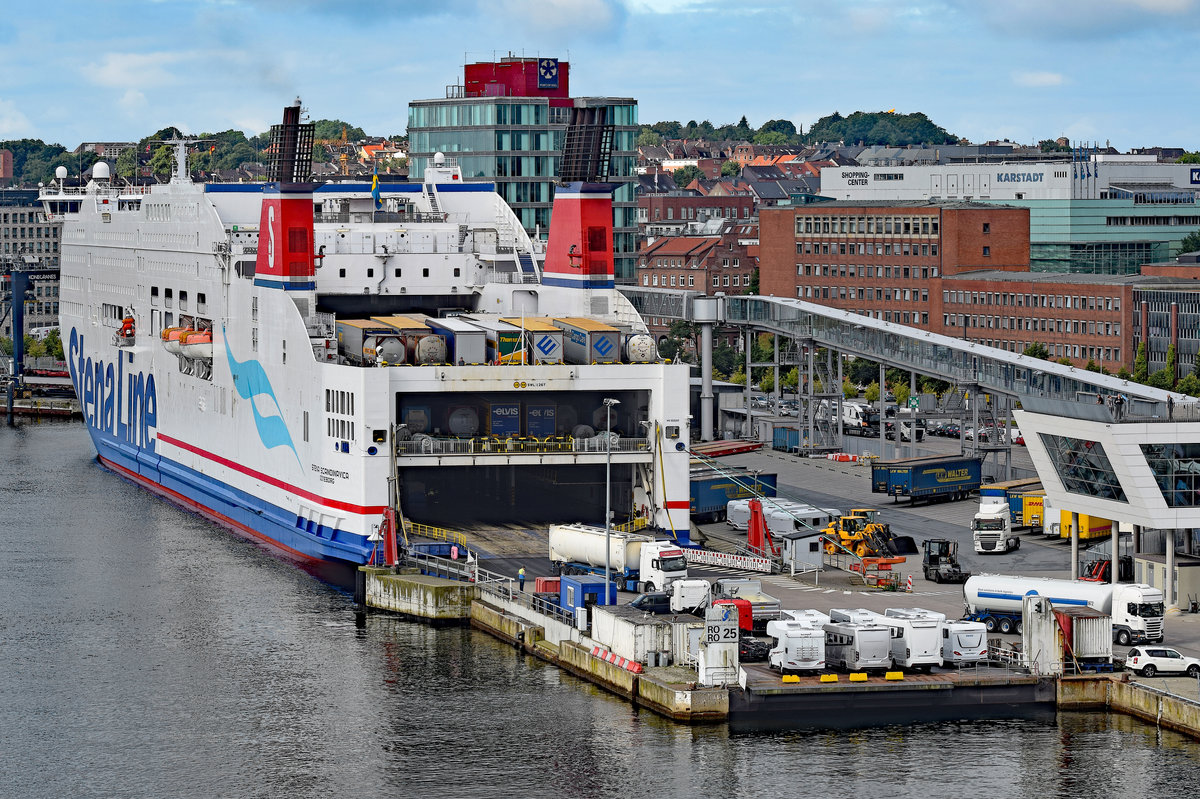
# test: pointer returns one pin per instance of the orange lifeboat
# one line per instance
(170, 338)
(196, 344)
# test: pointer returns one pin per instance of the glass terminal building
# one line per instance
(506, 124)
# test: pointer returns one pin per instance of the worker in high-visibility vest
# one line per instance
(521, 578)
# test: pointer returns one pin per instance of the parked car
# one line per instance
(1017, 437)
(1151, 660)
(653, 602)
(789, 407)
(950, 430)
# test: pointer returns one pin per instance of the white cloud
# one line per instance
(124, 70)
(132, 102)
(13, 123)
(559, 14)
(1037, 80)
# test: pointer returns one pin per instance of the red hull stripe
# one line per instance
(208, 513)
(679, 504)
(366, 510)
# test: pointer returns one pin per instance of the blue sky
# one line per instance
(1124, 71)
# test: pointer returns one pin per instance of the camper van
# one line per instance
(855, 640)
(799, 641)
(781, 515)
(961, 641)
(916, 637)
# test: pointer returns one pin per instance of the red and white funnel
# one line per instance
(579, 252)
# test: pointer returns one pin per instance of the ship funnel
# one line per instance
(285, 231)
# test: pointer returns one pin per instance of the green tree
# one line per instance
(1064, 361)
(648, 138)
(1124, 373)
(882, 128)
(1190, 385)
(1172, 363)
(901, 391)
(848, 389)
(1052, 146)
(1037, 350)
(731, 169)
(781, 126)
(1161, 379)
(332, 129)
(767, 383)
(34, 348)
(872, 392)
(790, 380)
(863, 371)
(685, 175)
(6, 346)
(770, 137)
(1141, 364)
(738, 378)
(725, 358)
(54, 345)
(1092, 366)
(127, 163)
(1189, 158)
(681, 341)
(162, 163)
(1191, 242)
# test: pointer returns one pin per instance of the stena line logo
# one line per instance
(271, 237)
(122, 405)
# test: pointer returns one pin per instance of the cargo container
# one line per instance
(788, 439)
(546, 585)
(541, 420)
(504, 419)
(931, 477)
(1033, 511)
(503, 339)
(580, 594)
(588, 341)
(422, 345)
(1057, 639)
(631, 633)
(542, 339)
(783, 516)
(467, 344)
(1057, 523)
(711, 492)
(359, 341)
(640, 348)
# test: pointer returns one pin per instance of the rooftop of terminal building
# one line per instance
(1080, 278)
(940, 204)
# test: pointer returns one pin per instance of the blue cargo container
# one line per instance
(583, 592)
(711, 492)
(789, 439)
(934, 477)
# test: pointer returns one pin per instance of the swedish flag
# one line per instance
(375, 188)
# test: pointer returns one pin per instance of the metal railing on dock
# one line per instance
(436, 533)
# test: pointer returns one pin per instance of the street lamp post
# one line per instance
(608, 406)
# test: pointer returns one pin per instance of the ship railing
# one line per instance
(435, 533)
(495, 445)
(496, 276)
(488, 582)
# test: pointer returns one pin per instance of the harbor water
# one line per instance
(147, 652)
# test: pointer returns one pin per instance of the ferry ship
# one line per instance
(320, 366)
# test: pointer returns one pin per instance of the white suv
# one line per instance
(1150, 660)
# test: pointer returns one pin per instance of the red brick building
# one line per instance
(668, 214)
(706, 264)
(959, 269)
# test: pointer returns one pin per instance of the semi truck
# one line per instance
(711, 492)
(1136, 609)
(636, 562)
(991, 528)
(930, 477)
(1010, 493)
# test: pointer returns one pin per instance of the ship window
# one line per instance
(370, 273)
(169, 300)
(341, 273)
(154, 295)
(457, 272)
(397, 271)
(306, 425)
(201, 302)
(283, 350)
(183, 300)
(425, 272)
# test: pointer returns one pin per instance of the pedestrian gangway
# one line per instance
(1040, 385)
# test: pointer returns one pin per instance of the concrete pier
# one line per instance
(433, 599)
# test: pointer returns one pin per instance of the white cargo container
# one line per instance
(467, 343)
(629, 633)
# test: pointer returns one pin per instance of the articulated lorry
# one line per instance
(1136, 609)
(636, 562)
(711, 491)
(991, 529)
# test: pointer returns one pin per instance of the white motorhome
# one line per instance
(962, 641)
(854, 640)
(781, 515)
(916, 637)
(799, 644)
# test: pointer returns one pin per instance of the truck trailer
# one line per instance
(711, 492)
(931, 477)
(1136, 609)
(636, 562)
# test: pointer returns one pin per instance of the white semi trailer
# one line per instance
(1136, 609)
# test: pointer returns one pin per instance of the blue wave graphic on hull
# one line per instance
(250, 380)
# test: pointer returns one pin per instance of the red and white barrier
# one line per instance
(842, 457)
(609, 657)
(704, 557)
(908, 584)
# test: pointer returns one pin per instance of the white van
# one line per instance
(799, 645)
